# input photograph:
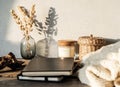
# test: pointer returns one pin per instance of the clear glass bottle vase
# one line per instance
(28, 47)
(47, 47)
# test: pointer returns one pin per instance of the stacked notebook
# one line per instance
(50, 69)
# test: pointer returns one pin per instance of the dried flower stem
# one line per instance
(26, 21)
(48, 27)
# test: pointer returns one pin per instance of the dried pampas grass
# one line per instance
(26, 20)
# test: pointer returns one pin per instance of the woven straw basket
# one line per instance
(89, 44)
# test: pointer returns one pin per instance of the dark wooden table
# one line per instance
(67, 82)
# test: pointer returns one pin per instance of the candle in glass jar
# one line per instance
(66, 48)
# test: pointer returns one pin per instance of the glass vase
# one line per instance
(47, 47)
(28, 47)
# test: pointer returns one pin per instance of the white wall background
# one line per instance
(76, 18)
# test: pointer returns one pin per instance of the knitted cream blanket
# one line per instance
(102, 68)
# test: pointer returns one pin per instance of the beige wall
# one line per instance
(76, 18)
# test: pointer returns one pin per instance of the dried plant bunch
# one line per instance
(48, 27)
(26, 20)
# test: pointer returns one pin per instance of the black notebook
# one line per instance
(39, 66)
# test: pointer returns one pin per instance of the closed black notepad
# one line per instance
(39, 66)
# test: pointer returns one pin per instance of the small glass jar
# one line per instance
(66, 48)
